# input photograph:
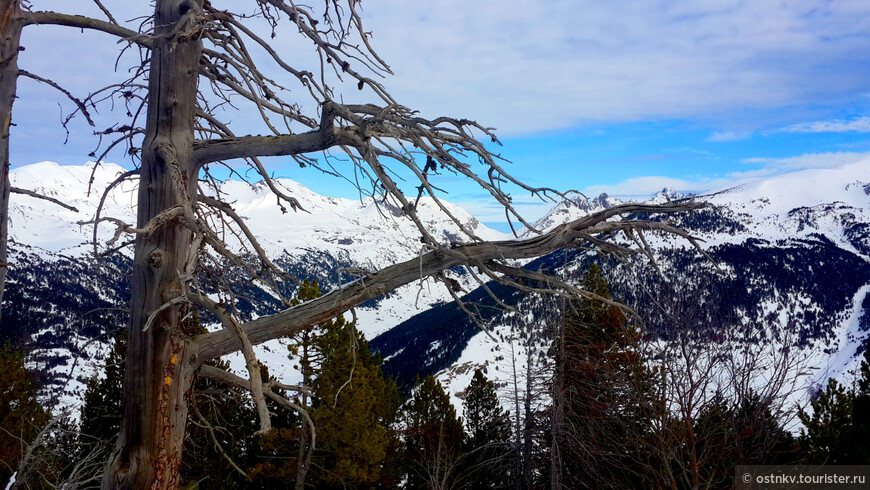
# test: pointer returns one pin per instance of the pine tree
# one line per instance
(351, 404)
(100, 420)
(488, 435)
(434, 438)
(283, 450)
(354, 409)
(742, 432)
(828, 434)
(838, 429)
(225, 415)
(761, 437)
(861, 410)
(101, 413)
(601, 392)
(21, 415)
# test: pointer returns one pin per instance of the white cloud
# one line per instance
(751, 174)
(531, 66)
(725, 136)
(809, 160)
(640, 187)
(535, 66)
(859, 125)
(646, 186)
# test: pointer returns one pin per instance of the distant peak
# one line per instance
(668, 194)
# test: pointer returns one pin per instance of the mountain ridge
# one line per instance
(774, 238)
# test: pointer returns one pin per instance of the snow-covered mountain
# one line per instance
(367, 231)
(571, 209)
(791, 252)
(59, 298)
(791, 266)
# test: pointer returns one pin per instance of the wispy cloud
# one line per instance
(536, 66)
(640, 187)
(646, 186)
(725, 136)
(526, 67)
(858, 125)
(809, 160)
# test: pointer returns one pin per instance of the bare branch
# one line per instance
(229, 211)
(82, 22)
(121, 178)
(217, 445)
(153, 225)
(573, 234)
(25, 192)
(79, 103)
(262, 146)
(106, 11)
(217, 374)
(251, 362)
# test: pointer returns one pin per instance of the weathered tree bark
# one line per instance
(161, 361)
(10, 37)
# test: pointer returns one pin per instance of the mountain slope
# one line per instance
(792, 261)
(791, 265)
(63, 305)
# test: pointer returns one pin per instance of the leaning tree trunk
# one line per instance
(161, 364)
(10, 36)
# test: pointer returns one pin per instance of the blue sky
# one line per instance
(623, 97)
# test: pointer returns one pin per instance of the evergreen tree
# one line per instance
(828, 434)
(861, 409)
(220, 438)
(56, 459)
(352, 406)
(744, 432)
(602, 393)
(21, 415)
(353, 410)
(283, 450)
(101, 413)
(838, 430)
(434, 438)
(488, 435)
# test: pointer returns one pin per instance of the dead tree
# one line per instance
(699, 381)
(15, 15)
(10, 30)
(199, 59)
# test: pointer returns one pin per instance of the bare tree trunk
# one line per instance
(305, 364)
(161, 362)
(557, 422)
(528, 421)
(10, 36)
(517, 427)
